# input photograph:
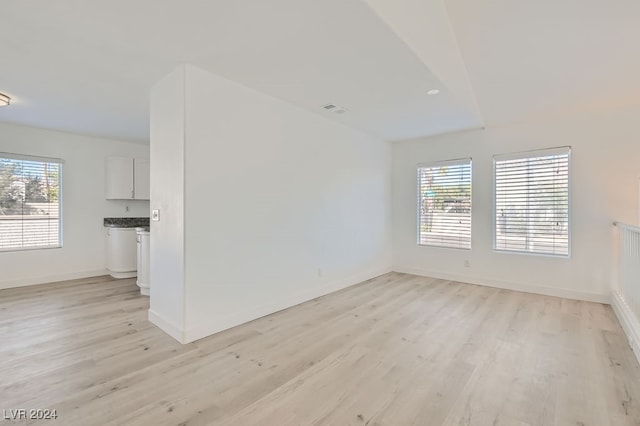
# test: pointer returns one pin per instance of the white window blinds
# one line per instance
(532, 202)
(30, 202)
(444, 204)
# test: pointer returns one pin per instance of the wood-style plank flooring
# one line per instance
(395, 350)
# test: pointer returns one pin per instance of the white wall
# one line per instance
(84, 206)
(281, 205)
(167, 192)
(605, 168)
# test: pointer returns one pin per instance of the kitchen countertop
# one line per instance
(126, 222)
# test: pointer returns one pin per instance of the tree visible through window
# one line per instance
(29, 202)
(444, 204)
(532, 202)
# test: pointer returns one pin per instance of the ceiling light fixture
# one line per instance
(433, 92)
(4, 100)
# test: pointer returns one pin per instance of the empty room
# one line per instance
(339, 212)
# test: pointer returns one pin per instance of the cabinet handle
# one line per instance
(132, 193)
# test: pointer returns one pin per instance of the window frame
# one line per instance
(50, 160)
(529, 154)
(441, 163)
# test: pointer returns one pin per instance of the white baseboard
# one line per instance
(630, 323)
(167, 326)
(204, 330)
(23, 282)
(507, 285)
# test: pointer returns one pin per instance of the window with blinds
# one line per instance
(30, 202)
(532, 202)
(444, 204)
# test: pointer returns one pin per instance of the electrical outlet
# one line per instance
(126, 208)
(155, 215)
(467, 264)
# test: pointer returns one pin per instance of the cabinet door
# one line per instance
(119, 178)
(122, 252)
(141, 179)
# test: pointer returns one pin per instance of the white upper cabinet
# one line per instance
(141, 175)
(119, 178)
(127, 178)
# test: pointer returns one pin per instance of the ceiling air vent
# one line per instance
(334, 108)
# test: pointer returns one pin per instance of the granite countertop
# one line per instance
(126, 222)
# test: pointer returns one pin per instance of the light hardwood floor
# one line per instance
(395, 350)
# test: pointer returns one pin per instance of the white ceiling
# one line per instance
(534, 60)
(87, 66)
